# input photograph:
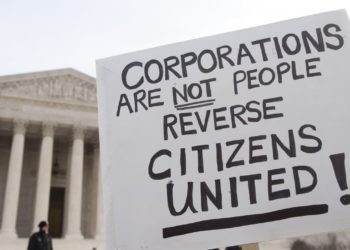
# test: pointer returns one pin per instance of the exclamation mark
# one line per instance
(338, 162)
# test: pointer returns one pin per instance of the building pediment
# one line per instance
(65, 85)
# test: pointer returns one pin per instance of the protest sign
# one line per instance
(236, 138)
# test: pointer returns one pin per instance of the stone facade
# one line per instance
(49, 159)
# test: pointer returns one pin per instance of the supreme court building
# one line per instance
(49, 159)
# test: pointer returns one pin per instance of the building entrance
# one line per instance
(56, 211)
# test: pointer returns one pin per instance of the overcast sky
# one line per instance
(50, 34)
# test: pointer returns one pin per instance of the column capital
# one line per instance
(19, 126)
(48, 128)
(79, 132)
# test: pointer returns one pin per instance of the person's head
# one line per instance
(43, 226)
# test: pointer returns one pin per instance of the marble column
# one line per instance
(41, 208)
(99, 229)
(9, 215)
(75, 182)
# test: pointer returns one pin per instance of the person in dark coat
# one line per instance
(41, 240)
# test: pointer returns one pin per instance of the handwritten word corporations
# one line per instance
(154, 71)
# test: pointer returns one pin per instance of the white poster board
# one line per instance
(229, 139)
